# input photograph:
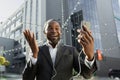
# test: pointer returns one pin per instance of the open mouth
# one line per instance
(53, 36)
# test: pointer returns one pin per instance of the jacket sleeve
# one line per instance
(85, 71)
(29, 71)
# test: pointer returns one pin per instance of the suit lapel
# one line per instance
(59, 54)
(46, 53)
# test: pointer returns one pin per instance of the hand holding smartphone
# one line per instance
(82, 28)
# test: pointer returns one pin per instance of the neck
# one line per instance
(53, 44)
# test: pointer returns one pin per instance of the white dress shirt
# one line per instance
(53, 52)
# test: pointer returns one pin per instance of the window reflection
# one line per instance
(89, 10)
(116, 11)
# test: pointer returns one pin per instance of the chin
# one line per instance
(55, 41)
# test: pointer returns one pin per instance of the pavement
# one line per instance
(97, 78)
(11, 76)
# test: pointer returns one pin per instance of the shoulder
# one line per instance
(43, 47)
(69, 47)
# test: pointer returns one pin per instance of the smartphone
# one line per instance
(81, 25)
(86, 23)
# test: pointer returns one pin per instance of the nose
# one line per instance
(54, 30)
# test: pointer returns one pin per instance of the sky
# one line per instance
(8, 7)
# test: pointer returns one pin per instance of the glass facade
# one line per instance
(18, 22)
(12, 27)
(116, 11)
(31, 3)
(7, 30)
(76, 19)
(89, 10)
(12, 36)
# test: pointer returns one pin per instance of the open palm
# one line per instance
(32, 42)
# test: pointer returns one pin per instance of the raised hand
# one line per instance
(86, 39)
(32, 42)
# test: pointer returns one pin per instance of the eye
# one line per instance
(49, 28)
(57, 29)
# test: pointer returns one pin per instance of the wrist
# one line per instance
(90, 58)
(35, 55)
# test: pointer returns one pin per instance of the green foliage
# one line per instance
(3, 61)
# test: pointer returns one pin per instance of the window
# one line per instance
(4, 26)
(24, 49)
(3, 34)
(19, 14)
(18, 22)
(12, 36)
(8, 22)
(17, 33)
(7, 30)
(36, 35)
(13, 18)
(36, 28)
(16, 43)
(20, 41)
(12, 27)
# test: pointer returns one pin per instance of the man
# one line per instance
(54, 60)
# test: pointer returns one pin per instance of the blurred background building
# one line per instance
(11, 50)
(103, 17)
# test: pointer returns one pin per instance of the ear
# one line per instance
(60, 32)
(44, 32)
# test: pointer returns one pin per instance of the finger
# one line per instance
(82, 42)
(85, 39)
(31, 41)
(29, 35)
(86, 36)
(79, 36)
(86, 29)
(25, 34)
(78, 30)
(34, 42)
(33, 37)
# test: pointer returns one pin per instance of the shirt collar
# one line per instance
(50, 46)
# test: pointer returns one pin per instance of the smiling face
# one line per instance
(53, 32)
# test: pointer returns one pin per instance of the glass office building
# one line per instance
(89, 14)
(116, 12)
